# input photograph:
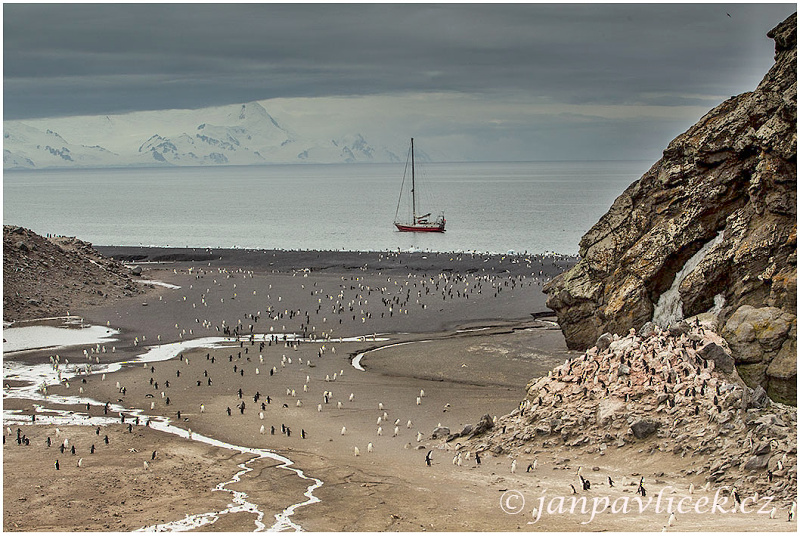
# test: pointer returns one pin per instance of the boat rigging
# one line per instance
(421, 223)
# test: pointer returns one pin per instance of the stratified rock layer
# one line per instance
(735, 173)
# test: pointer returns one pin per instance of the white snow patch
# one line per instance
(669, 308)
(36, 337)
(158, 283)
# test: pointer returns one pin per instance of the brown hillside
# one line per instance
(45, 277)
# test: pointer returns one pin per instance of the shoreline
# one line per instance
(278, 260)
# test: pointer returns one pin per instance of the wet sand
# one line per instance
(472, 346)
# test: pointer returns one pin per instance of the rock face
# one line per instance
(711, 226)
(50, 276)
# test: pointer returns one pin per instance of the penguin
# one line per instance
(428, 458)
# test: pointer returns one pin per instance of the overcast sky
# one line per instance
(511, 81)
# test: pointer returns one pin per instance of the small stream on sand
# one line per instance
(34, 378)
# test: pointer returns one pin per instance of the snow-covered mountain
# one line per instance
(227, 135)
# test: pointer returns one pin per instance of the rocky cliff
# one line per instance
(712, 226)
(45, 277)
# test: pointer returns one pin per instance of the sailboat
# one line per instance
(418, 224)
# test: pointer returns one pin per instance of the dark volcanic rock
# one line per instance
(643, 428)
(720, 357)
(732, 176)
(484, 425)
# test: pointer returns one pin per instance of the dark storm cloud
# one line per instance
(74, 59)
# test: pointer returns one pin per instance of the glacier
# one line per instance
(239, 134)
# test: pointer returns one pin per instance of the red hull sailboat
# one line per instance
(418, 224)
(422, 227)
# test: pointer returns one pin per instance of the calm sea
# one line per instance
(536, 207)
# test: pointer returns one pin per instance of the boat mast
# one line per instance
(413, 193)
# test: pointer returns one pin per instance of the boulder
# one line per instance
(484, 425)
(782, 370)
(722, 360)
(759, 398)
(542, 428)
(643, 428)
(757, 334)
(440, 431)
(681, 328)
(756, 463)
(647, 330)
(761, 448)
(603, 342)
(607, 409)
